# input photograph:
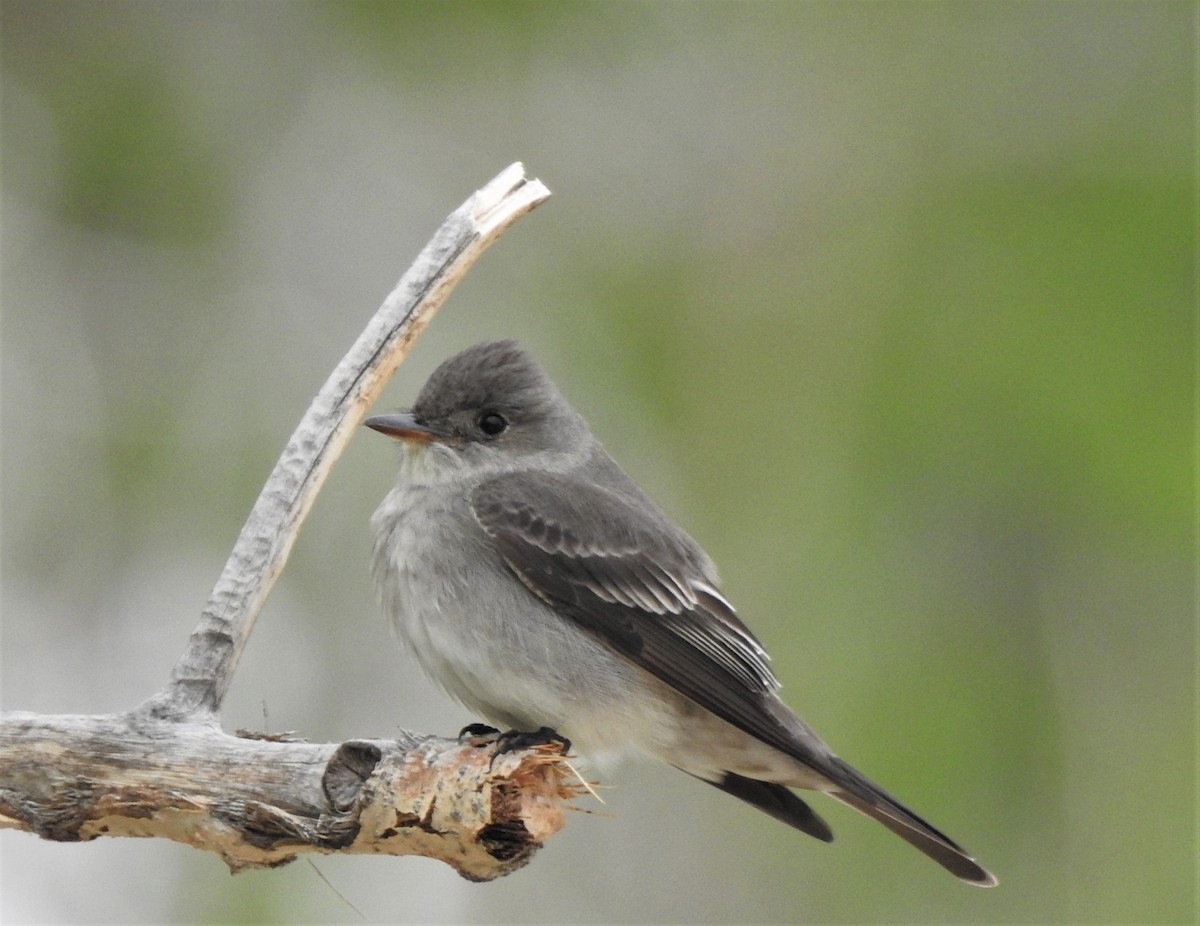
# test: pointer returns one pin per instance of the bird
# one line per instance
(533, 580)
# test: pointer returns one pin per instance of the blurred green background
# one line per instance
(891, 304)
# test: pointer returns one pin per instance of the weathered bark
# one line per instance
(259, 802)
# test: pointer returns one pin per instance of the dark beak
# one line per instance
(406, 427)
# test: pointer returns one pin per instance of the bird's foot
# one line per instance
(518, 739)
(478, 734)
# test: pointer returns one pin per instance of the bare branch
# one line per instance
(258, 803)
(166, 769)
(202, 675)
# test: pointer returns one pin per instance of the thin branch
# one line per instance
(203, 673)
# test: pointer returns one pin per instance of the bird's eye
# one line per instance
(492, 423)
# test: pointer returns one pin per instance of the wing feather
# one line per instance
(648, 593)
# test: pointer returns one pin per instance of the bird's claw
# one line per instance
(478, 734)
(514, 740)
(519, 739)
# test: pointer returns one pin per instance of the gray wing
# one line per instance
(603, 560)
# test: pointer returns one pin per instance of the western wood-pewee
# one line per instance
(542, 588)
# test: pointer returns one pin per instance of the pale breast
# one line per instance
(490, 643)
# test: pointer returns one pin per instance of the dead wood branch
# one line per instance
(166, 769)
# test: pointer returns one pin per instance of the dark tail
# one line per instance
(858, 791)
(776, 800)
